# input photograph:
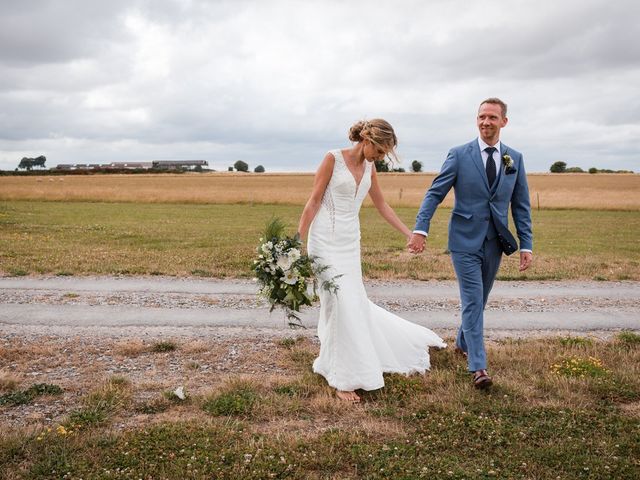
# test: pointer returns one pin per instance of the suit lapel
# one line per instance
(477, 160)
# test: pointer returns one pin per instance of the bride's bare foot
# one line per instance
(351, 397)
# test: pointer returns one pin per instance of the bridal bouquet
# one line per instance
(287, 278)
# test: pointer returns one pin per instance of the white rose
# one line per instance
(284, 262)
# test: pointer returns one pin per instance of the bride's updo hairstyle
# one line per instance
(377, 131)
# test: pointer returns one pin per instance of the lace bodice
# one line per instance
(343, 196)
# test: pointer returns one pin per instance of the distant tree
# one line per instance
(573, 170)
(399, 170)
(197, 168)
(558, 167)
(259, 169)
(39, 161)
(231, 169)
(241, 166)
(381, 166)
(416, 166)
(28, 163)
(593, 170)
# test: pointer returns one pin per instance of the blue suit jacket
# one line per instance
(475, 202)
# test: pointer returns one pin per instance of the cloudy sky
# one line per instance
(278, 83)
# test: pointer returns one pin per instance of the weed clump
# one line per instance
(579, 367)
(23, 397)
(164, 346)
(237, 401)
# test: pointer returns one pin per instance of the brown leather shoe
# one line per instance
(482, 380)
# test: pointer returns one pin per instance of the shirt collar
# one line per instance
(484, 145)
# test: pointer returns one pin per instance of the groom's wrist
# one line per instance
(525, 250)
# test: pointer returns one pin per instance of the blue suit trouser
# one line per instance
(476, 273)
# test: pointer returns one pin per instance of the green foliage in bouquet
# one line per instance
(286, 278)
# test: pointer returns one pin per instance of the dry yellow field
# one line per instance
(566, 191)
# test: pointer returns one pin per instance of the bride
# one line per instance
(358, 339)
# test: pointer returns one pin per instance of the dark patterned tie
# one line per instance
(491, 165)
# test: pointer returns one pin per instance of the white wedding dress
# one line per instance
(358, 339)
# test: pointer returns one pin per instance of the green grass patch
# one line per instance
(100, 404)
(294, 390)
(24, 397)
(612, 389)
(238, 400)
(219, 241)
(541, 443)
(17, 272)
(164, 346)
(629, 339)
(576, 342)
(201, 273)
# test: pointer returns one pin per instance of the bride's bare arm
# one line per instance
(320, 182)
(383, 207)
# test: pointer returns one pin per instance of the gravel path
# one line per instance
(117, 306)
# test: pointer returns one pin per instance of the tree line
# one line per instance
(561, 167)
(381, 166)
(241, 166)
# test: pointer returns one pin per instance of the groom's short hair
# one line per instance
(496, 101)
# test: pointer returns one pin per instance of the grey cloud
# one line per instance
(52, 32)
(283, 80)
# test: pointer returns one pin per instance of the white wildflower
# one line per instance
(294, 254)
(266, 247)
(291, 277)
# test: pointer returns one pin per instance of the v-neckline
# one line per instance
(364, 171)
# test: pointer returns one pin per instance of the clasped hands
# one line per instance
(416, 243)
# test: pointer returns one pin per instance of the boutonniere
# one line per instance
(507, 161)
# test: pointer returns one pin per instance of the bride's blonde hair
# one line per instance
(377, 131)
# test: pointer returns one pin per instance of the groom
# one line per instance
(487, 178)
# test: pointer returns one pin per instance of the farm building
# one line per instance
(179, 164)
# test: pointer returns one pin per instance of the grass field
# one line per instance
(565, 408)
(555, 191)
(80, 238)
